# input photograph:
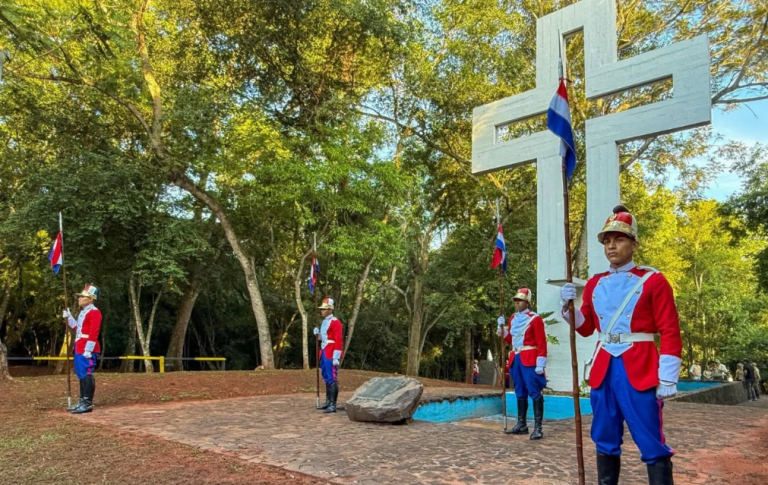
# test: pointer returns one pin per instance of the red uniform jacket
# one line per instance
(535, 336)
(654, 312)
(332, 338)
(88, 324)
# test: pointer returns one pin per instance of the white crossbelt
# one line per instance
(524, 347)
(615, 338)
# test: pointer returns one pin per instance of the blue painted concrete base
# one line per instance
(555, 407)
(458, 410)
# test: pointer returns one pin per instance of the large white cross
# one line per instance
(686, 63)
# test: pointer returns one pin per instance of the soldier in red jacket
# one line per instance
(525, 333)
(87, 347)
(331, 344)
(628, 305)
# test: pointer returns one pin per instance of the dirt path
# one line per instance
(41, 444)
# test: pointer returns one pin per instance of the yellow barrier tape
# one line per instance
(218, 359)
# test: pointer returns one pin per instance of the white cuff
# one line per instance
(669, 368)
(579, 317)
(337, 354)
(541, 361)
(71, 322)
(89, 345)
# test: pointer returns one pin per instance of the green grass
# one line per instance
(27, 444)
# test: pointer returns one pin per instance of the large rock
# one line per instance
(385, 400)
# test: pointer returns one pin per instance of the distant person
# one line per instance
(695, 371)
(330, 353)
(526, 334)
(722, 370)
(87, 347)
(758, 380)
(749, 381)
(739, 376)
(626, 306)
(475, 372)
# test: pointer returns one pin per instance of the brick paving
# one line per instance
(286, 431)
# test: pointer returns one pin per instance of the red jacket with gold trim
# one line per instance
(651, 311)
(534, 336)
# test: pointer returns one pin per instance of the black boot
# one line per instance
(334, 388)
(80, 401)
(89, 388)
(660, 473)
(327, 397)
(608, 468)
(522, 425)
(538, 417)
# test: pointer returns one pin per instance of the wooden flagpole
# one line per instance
(571, 308)
(67, 331)
(501, 337)
(317, 337)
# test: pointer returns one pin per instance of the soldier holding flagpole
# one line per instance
(627, 306)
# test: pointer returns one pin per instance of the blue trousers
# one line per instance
(615, 402)
(83, 366)
(527, 381)
(327, 369)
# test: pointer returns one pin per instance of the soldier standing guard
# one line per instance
(87, 347)
(628, 305)
(330, 353)
(525, 333)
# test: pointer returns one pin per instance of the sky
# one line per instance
(743, 124)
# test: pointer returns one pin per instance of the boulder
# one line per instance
(385, 400)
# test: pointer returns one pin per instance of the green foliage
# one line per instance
(350, 119)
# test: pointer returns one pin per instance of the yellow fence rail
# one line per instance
(161, 360)
(139, 357)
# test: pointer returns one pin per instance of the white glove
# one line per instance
(335, 362)
(316, 331)
(539, 370)
(665, 390)
(501, 321)
(567, 293)
(87, 354)
(66, 314)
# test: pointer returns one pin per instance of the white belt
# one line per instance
(615, 338)
(82, 335)
(524, 347)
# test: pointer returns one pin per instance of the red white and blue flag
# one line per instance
(314, 270)
(500, 251)
(559, 123)
(56, 256)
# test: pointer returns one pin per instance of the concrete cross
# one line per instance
(686, 63)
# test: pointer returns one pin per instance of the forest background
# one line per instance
(195, 147)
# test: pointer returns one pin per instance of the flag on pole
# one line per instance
(500, 251)
(559, 123)
(313, 272)
(56, 256)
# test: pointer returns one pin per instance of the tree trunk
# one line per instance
(144, 339)
(303, 312)
(130, 347)
(414, 338)
(358, 303)
(468, 360)
(4, 374)
(176, 347)
(251, 280)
